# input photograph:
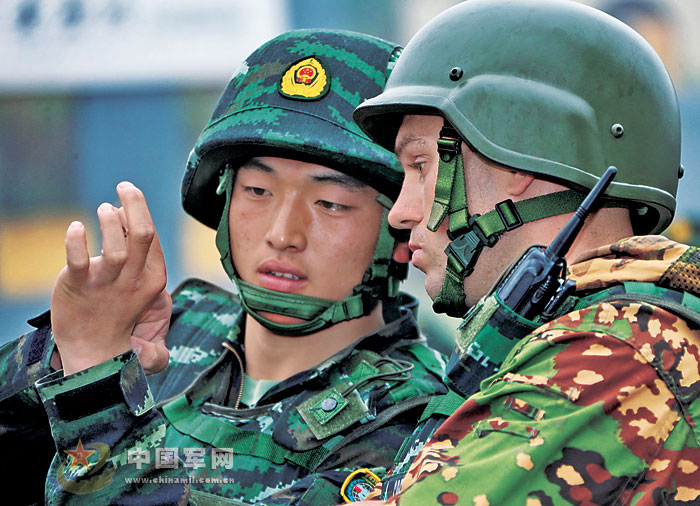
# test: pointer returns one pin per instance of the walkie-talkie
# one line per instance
(537, 283)
(525, 296)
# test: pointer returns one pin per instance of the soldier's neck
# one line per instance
(606, 226)
(274, 357)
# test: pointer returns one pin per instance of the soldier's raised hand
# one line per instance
(101, 306)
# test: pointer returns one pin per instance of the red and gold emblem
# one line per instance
(90, 469)
(306, 74)
(306, 79)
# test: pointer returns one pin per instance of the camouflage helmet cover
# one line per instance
(294, 98)
(261, 112)
(554, 88)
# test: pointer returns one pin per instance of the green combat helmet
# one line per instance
(294, 98)
(551, 88)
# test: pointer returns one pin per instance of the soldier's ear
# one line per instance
(518, 182)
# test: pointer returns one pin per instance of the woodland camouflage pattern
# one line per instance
(101, 414)
(599, 406)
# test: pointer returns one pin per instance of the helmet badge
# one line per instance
(306, 79)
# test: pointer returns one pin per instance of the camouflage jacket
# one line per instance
(599, 406)
(181, 434)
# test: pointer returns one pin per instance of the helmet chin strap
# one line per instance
(470, 233)
(450, 198)
(315, 313)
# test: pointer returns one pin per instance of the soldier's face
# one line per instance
(416, 148)
(302, 228)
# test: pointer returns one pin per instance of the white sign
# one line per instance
(63, 44)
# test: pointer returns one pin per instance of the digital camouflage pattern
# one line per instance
(293, 97)
(24, 427)
(113, 440)
(435, 414)
(599, 406)
(256, 114)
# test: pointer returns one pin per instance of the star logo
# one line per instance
(83, 477)
(80, 455)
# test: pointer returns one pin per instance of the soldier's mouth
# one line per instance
(287, 275)
(281, 276)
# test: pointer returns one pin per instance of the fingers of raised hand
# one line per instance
(114, 252)
(142, 241)
(77, 255)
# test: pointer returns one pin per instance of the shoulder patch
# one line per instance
(358, 485)
(306, 79)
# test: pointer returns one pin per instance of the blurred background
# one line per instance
(93, 92)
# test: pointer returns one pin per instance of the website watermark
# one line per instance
(189, 480)
(192, 458)
(91, 467)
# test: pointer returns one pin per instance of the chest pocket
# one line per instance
(339, 407)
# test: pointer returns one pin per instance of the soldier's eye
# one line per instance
(258, 192)
(332, 206)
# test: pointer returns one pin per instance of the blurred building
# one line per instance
(93, 92)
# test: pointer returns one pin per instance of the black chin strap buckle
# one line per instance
(449, 132)
(449, 143)
(369, 295)
(464, 251)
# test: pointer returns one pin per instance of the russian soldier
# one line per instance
(503, 114)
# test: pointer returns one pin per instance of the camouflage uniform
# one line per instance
(594, 401)
(181, 435)
(285, 448)
(24, 428)
(599, 406)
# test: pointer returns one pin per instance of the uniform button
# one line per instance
(329, 404)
